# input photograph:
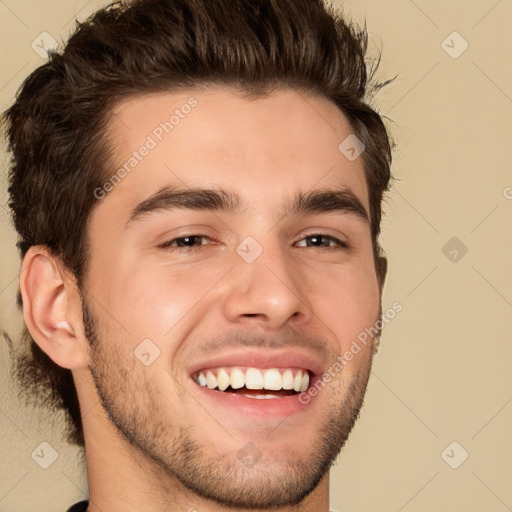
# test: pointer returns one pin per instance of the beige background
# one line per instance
(443, 373)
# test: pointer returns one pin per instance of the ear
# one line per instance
(52, 308)
(382, 270)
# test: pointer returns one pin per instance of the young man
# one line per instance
(197, 188)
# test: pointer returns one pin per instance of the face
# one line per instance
(231, 265)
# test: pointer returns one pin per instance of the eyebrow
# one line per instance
(207, 199)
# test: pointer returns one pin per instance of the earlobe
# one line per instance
(50, 308)
(376, 343)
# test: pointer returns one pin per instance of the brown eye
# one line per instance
(319, 240)
(186, 242)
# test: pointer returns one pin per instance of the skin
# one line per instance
(154, 441)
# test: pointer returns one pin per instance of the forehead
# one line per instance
(264, 148)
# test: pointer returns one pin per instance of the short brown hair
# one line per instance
(56, 127)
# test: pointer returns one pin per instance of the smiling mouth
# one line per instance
(254, 383)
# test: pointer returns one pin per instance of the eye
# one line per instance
(324, 241)
(186, 242)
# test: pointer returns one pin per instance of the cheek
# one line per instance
(153, 300)
(347, 304)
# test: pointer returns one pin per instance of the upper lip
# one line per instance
(264, 359)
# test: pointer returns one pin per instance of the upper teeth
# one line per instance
(273, 379)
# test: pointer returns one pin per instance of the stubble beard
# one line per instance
(132, 404)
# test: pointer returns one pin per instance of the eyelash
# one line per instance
(169, 244)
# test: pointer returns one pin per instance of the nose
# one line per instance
(266, 292)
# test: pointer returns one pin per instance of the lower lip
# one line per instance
(264, 407)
